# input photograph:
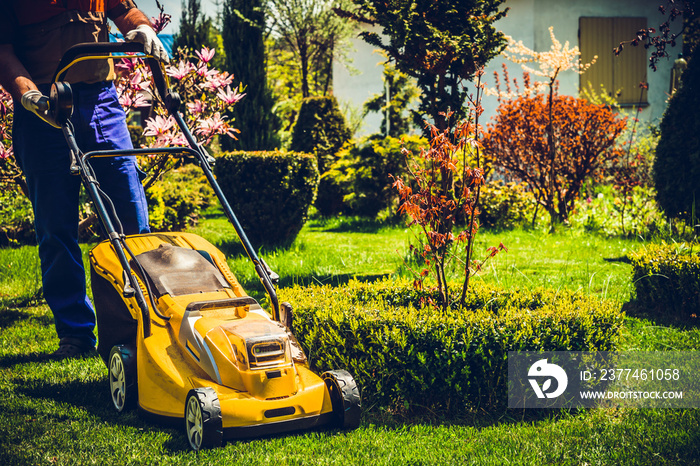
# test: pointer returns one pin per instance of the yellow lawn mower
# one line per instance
(180, 337)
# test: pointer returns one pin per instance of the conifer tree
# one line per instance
(243, 26)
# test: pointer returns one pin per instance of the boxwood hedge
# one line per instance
(406, 355)
(667, 279)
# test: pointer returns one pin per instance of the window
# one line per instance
(619, 74)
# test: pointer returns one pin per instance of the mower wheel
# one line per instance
(122, 377)
(345, 397)
(203, 425)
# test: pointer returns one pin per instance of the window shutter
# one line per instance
(618, 74)
(596, 35)
(630, 67)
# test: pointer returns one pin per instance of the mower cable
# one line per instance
(118, 224)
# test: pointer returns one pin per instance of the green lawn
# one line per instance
(60, 413)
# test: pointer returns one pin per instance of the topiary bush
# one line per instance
(176, 200)
(321, 130)
(403, 354)
(676, 169)
(270, 192)
(361, 173)
(667, 280)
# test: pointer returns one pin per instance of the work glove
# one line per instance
(151, 44)
(38, 104)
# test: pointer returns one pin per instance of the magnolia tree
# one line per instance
(10, 174)
(208, 94)
(206, 91)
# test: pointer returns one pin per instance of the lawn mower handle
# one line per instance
(103, 51)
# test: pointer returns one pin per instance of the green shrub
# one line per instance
(16, 217)
(676, 170)
(321, 130)
(361, 174)
(505, 205)
(175, 201)
(270, 192)
(667, 279)
(405, 355)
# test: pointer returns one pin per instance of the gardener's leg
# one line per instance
(44, 158)
(102, 125)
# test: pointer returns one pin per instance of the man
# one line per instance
(34, 34)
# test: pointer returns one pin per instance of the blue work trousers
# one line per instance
(44, 157)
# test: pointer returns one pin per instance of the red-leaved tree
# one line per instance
(441, 191)
(583, 137)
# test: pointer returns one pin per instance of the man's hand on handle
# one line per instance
(151, 44)
(37, 103)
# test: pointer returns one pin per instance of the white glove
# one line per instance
(37, 103)
(151, 44)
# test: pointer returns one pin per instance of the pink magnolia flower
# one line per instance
(178, 139)
(229, 96)
(206, 54)
(133, 100)
(217, 81)
(183, 69)
(170, 139)
(128, 64)
(158, 126)
(196, 108)
(160, 22)
(5, 153)
(139, 79)
(210, 126)
(205, 72)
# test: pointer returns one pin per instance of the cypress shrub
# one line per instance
(676, 170)
(405, 355)
(245, 59)
(270, 192)
(321, 130)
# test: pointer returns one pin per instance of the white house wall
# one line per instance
(529, 21)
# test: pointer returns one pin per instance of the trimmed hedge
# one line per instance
(270, 192)
(667, 279)
(403, 355)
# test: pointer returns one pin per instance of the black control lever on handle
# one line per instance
(274, 277)
(128, 291)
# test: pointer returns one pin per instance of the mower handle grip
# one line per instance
(107, 49)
